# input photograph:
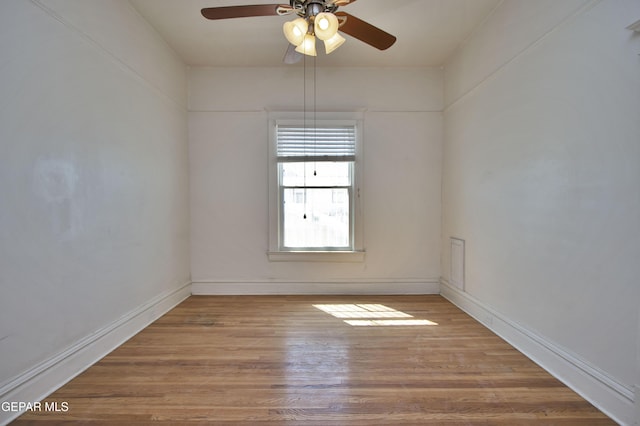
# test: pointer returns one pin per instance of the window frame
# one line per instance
(277, 251)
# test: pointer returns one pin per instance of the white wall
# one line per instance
(541, 174)
(401, 191)
(93, 176)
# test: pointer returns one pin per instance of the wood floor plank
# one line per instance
(279, 359)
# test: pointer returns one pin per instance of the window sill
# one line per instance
(316, 256)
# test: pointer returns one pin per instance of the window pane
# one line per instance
(327, 217)
(327, 173)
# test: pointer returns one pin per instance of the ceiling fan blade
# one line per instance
(340, 2)
(227, 12)
(291, 56)
(365, 32)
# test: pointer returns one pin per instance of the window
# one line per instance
(316, 185)
(314, 193)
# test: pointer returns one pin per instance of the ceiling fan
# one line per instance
(317, 19)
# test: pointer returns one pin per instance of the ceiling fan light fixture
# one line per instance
(308, 46)
(325, 25)
(295, 31)
(333, 43)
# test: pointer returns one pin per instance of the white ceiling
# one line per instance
(428, 32)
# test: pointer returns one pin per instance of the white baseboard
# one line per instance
(41, 380)
(608, 395)
(364, 286)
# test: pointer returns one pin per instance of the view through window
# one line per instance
(316, 204)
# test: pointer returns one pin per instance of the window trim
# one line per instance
(277, 253)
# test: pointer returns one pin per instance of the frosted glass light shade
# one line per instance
(325, 26)
(333, 43)
(308, 46)
(295, 31)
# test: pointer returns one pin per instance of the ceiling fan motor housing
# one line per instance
(310, 8)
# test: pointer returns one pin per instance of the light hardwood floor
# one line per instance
(281, 360)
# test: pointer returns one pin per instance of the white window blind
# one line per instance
(320, 143)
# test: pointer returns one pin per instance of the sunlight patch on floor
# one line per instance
(361, 323)
(361, 311)
(363, 315)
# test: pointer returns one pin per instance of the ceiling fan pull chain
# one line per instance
(315, 127)
(304, 120)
